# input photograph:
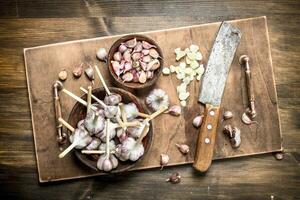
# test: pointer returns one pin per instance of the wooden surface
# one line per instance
(31, 23)
(45, 62)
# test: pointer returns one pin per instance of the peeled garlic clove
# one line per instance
(131, 43)
(153, 53)
(78, 70)
(246, 119)
(101, 54)
(188, 61)
(174, 178)
(136, 56)
(127, 55)
(117, 56)
(122, 48)
(146, 59)
(142, 77)
(183, 148)
(138, 47)
(145, 52)
(127, 77)
(166, 71)
(197, 121)
(194, 48)
(175, 110)
(164, 159)
(147, 45)
(89, 72)
(227, 115)
(153, 65)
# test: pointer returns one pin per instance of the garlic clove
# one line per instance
(246, 119)
(147, 45)
(183, 148)
(164, 160)
(197, 121)
(236, 141)
(63, 75)
(127, 66)
(131, 43)
(116, 67)
(153, 53)
(142, 77)
(122, 48)
(227, 130)
(183, 96)
(138, 47)
(136, 56)
(174, 178)
(183, 103)
(194, 48)
(153, 65)
(194, 64)
(127, 55)
(198, 56)
(172, 69)
(146, 59)
(127, 77)
(227, 115)
(117, 56)
(78, 70)
(101, 54)
(175, 110)
(89, 72)
(150, 74)
(166, 71)
(179, 55)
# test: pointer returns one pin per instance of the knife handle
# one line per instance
(206, 138)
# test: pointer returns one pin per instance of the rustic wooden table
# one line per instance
(32, 23)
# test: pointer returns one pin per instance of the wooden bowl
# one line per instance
(132, 85)
(79, 112)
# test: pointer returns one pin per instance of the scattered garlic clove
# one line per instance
(147, 45)
(164, 160)
(101, 54)
(197, 121)
(183, 148)
(194, 48)
(142, 77)
(183, 103)
(227, 115)
(63, 75)
(166, 71)
(183, 96)
(246, 119)
(153, 53)
(175, 110)
(191, 55)
(153, 65)
(131, 43)
(179, 55)
(89, 72)
(122, 48)
(227, 130)
(194, 64)
(172, 69)
(78, 70)
(198, 56)
(174, 178)
(127, 77)
(236, 140)
(117, 56)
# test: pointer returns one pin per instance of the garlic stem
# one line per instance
(94, 152)
(155, 114)
(123, 114)
(67, 150)
(102, 80)
(120, 122)
(89, 98)
(144, 115)
(80, 100)
(66, 124)
(94, 97)
(145, 129)
(132, 124)
(107, 139)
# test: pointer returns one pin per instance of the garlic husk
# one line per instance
(101, 54)
(78, 70)
(227, 115)
(164, 160)
(197, 121)
(175, 110)
(157, 99)
(94, 123)
(183, 148)
(174, 178)
(112, 99)
(94, 144)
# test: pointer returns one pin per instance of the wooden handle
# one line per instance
(207, 138)
(250, 90)
(57, 111)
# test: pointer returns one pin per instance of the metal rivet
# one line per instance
(209, 126)
(206, 140)
(212, 113)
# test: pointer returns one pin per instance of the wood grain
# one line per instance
(255, 177)
(44, 63)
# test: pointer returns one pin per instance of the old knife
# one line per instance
(211, 91)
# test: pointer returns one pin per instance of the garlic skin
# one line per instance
(157, 99)
(94, 123)
(164, 160)
(227, 115)
(234, 135)
(94, 144)
(78, 70)
(107, 164)
(174, 178)
(101, 54)
(175, 110)
(197, 121)
(183, 148)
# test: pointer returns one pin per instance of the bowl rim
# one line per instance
(133, 85)
(83, 158)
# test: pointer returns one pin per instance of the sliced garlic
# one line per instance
(180, 55)
(183, 103)
(198, 56)
(182, 65)
(166, 71)
(172, 69)
(191, 55)
(188, 71)
(194, 64)
(194, 48)
(183, 96)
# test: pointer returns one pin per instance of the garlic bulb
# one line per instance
(131, 111)
(94, 144)
(111, 130)
(94, 123)
(110, 111)
(112, 146)
(157, 99)
(101, 54)
(130, 150)
(113, 99)
(107, 163)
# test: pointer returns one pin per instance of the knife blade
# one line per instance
(211, 91)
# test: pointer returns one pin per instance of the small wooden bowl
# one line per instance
(132, 85)
(79, 112)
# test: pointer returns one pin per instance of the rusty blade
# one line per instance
(218, 64)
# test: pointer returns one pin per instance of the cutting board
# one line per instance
(44, 62)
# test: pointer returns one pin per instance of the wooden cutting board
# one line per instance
(44, 62)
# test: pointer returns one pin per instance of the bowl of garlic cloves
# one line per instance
(113, 130)
(135, 61)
